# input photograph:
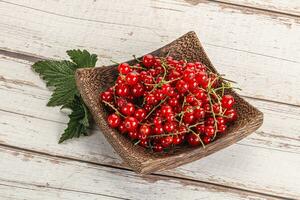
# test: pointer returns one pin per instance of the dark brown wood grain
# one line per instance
(91, 81)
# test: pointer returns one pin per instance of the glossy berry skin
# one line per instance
(140, 114)
(166, 110)
(166, 141)
(122, 90)
(177, 140)
(227, 101)
(144, 143)
(209, 131)
(128, 109)
(158, 130)
(193, 139)
(169, 127)
(206, 140)
(148, 60)
(133, 134)
(231, 115)
(113, 120)
(124, 68)
(182, 86)
(145, 130)
(222, 128)
(132, 78)
(131, 123)
(138, 90)
(122, 128)
(158, 147)
(106, 96)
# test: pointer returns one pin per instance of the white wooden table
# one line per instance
(255, 42)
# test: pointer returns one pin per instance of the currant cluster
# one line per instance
(161, 102)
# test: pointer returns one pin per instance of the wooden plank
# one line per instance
(96, 181)
(27, 123)
(42, 29)
(288, 7)
(18, 191)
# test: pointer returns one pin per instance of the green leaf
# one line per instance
(79, 121)
(61, 76)
(82, 58)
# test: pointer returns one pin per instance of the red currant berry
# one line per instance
(222, 128)
(188, 118)
(128, 109)
(106, 96)
(209, 131)
(122, 90)
(200, 128)
(231, 115)
(157, 147)
(227, 101)
(206, 140)
(166, 110)
(177, 140)
(150, 99)
(166, 141)
(144, 143)
(140, 114)
(132, 78)
(199, 113)
(145, 129)
(173, 101)
(158, 130)
(138, 90)
(122, 128)
(148, 60)
(169, 127)
(133, 134)
(131, 123)
(113, 120)
(193, 139)
(121, 102)
(124, 68)
(220, 121)
(182, 86)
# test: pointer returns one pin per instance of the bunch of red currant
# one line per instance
(161, 102)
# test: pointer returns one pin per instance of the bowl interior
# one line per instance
(92, 81)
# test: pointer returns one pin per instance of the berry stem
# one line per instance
(155, 107)
(115, 109)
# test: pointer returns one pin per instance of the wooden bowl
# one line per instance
(91, 81)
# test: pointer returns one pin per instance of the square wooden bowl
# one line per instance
(91, 81)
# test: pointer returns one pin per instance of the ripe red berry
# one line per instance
(128, 109)
(106, 96)
(227, 101)
(157, 147)
(166, 110)
(182, 86)
(132, 78)
(158, 130)
(231, 115)
(122, 90)
(193, 139)
(206, 140)
(222, 128)
(148, 60)
(177, 140)
(140, 114)
(209, 131)
(113, 120)
(145, 129)
(124, 68)
(144, 143)
(131, 123)
(169, 127)
(166, 141)
(138, 90)
(133, 134)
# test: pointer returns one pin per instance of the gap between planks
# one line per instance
(245, 6)
(154, 176)
(34, 58)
